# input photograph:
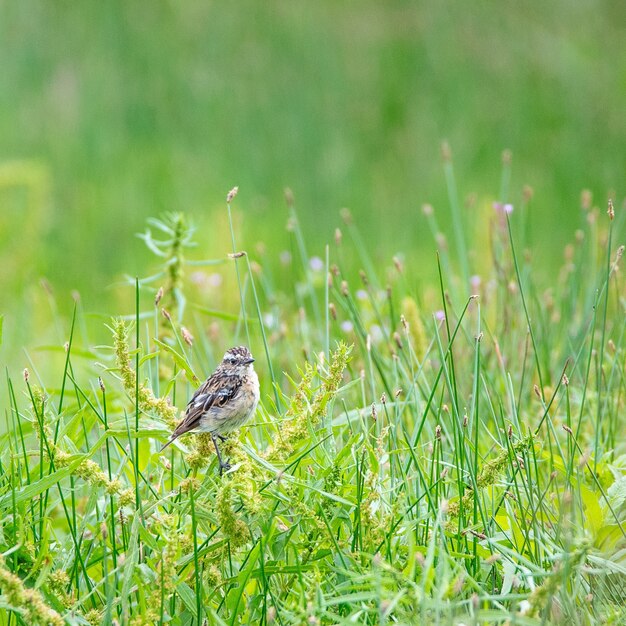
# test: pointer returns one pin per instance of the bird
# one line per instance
(224, 402)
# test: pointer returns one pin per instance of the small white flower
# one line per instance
(214, 280)
(347, 326)
(316, 264)
(197, 278)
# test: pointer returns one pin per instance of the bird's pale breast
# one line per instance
(236, 412)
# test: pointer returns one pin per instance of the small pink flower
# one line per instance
(440, 316)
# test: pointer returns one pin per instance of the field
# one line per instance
(440, 437)
(450, 456)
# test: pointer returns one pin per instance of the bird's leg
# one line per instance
(222, 438)
(223, 466)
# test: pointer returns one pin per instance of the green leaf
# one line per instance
(41, 485)
(180, 361)
(188, 597)
(617, 493)
(234, 600)
(222, 315)
(129, 564)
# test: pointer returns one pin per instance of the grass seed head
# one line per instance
(187, 336)
(230, 196)
(610, 210)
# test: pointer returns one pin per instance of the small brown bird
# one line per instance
(224, 402)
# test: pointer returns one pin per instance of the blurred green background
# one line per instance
(114, 111)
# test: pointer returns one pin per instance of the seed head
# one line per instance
(159, 295)
(611, 211)
(166, 314)
(344, 288)
(404, 323)
(101, 383)
(236, 255)
(26, 374)
(187, 336)
(586, 199)
(230, 196)
(338, 236)
(333, 310)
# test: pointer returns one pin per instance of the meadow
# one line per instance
(446, 455)
(440, 438)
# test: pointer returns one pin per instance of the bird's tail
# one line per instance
(171, 439)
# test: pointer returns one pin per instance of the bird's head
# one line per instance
(237, 360)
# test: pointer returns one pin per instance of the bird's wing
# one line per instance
(214, 393)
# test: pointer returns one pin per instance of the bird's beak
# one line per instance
(248, 361)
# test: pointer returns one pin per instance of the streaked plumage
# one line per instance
(225, 401)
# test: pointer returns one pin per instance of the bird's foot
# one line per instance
(224, 467)
(222, 438)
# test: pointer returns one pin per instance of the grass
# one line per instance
(444, 455)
